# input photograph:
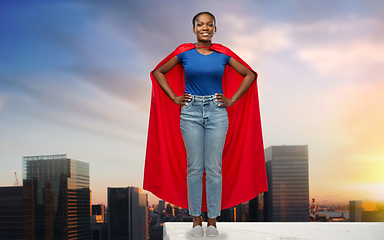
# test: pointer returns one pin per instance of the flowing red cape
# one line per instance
(243, 166)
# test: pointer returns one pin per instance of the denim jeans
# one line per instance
(204, 127)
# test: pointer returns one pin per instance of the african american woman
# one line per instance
(222, 148)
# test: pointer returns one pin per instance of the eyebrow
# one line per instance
(203, 22)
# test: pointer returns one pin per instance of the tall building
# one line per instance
(256, 209)
(169, 209)
(61, 198)
(11, 213)
(161, 206)
(287, 199)
(99, 228)
(98, 213)
(227, 215)
(127, 214)
(17, 216)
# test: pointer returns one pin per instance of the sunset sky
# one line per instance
(74, 79)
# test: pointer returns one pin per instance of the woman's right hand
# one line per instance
(181, 100)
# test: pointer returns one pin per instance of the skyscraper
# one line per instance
(98, 213)
(256, 209)
(127, 214)
(287, 199)
(11, 213)
(99, 228)
(61, 197)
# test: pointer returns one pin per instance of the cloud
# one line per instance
(344, 57)
(324, 88)
(267, 40)
(144, 29)
(96, 53)
(340, 45)
(347, 45)
(131, 88)
(81, 106)
(90, 77)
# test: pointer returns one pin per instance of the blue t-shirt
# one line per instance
(203, 73)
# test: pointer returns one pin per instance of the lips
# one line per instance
(205, 34)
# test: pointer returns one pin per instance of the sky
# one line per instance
(74, 79)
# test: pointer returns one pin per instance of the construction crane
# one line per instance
(17, 181)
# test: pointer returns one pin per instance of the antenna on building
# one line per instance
(17, 181)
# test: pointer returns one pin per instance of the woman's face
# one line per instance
(204, 28)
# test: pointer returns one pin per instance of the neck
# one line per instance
(200, 44)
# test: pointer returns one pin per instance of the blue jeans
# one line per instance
(204, 126)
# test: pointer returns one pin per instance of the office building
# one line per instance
(238, 213)
(256, 209)
(287, 199)
(28, 210)
(61, 198)
(99, 231)
(11, 213)
(127, 214)
(241, 212)
(98, 213)
(161, 206)
(17, 217)
(169, 210)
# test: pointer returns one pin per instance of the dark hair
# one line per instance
(200, 13)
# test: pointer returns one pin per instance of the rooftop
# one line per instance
(281, 231)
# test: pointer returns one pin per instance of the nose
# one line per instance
(205, 27)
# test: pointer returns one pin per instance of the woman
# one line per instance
(204, 124)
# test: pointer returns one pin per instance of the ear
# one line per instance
(193, 29)
(215, 29)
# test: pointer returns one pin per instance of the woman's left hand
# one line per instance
(225, 101)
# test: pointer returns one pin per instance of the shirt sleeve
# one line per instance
(227, 59)
(181, 57)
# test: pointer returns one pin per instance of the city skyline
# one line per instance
(74, 79)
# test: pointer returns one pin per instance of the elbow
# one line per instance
(157, 74)
(252, 76)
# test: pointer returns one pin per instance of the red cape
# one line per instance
(243, 166)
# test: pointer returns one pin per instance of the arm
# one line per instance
(159, 75)
(249, 78)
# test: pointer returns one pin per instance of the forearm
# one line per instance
(244, 86)
(164, 85)
(159, 75)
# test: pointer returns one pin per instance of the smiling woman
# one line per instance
(204, 26)
(209, 134)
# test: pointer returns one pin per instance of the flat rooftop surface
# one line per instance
(281, 231)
